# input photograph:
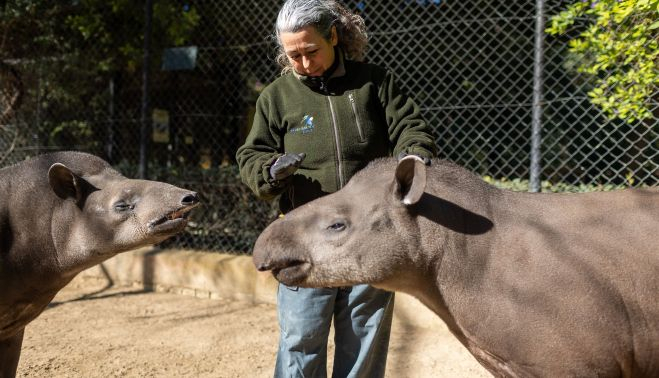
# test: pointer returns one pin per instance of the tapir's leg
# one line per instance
(10, 352)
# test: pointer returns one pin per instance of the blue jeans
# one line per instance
(362, 323)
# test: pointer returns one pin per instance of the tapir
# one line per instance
(61, 213)
(532, 284)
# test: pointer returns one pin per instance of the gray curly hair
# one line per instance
(295, 15)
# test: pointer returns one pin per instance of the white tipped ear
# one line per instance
(410, 179)
(64, 182)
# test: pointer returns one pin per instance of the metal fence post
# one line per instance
(36, 137)
(536, 125)
(145, 124)
(109, 144)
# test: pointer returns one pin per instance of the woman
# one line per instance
(324, 119)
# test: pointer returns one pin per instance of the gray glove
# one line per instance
(401, 155)
(286, 165)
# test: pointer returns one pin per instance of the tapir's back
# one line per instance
(32, 174)
(576, 272)
(618, 227)
(583, 270)
(36, 168)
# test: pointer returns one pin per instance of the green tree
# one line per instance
(66, 51)
(618, 49)
(110, 32)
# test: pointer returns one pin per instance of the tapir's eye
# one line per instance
(122, 206)
(337, 226)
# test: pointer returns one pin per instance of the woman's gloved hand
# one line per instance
(286, 165)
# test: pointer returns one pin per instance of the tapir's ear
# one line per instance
(410, 179)
(64, 182)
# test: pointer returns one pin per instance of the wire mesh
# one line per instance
(468, 64)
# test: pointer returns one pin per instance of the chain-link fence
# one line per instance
(72, 77)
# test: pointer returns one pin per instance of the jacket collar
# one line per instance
(320, 82)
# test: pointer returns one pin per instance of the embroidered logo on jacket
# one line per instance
(306, 126)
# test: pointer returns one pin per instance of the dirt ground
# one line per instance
(93, 331)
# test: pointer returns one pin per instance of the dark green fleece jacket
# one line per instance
(355, 116)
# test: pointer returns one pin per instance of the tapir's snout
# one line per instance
(176, 217)
(260, 255)
(283, 256)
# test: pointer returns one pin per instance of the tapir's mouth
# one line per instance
(291, 272)
(172, 222)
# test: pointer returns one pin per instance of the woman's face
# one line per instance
(309, 53)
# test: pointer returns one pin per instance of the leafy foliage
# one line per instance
(618, 49)
(110, 31)
(68, 50)
(522, 185)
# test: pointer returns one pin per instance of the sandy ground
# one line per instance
(93, 331)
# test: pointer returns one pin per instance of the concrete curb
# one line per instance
(217, 275)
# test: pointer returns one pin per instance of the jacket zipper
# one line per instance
(338, 144)
(354, 111)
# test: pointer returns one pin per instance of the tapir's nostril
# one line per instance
(190, 199)
(262, 267)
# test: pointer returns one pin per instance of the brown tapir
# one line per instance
(61, 213)
(534, 285)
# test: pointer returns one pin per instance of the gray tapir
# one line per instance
(61, 213)
(533, 285)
